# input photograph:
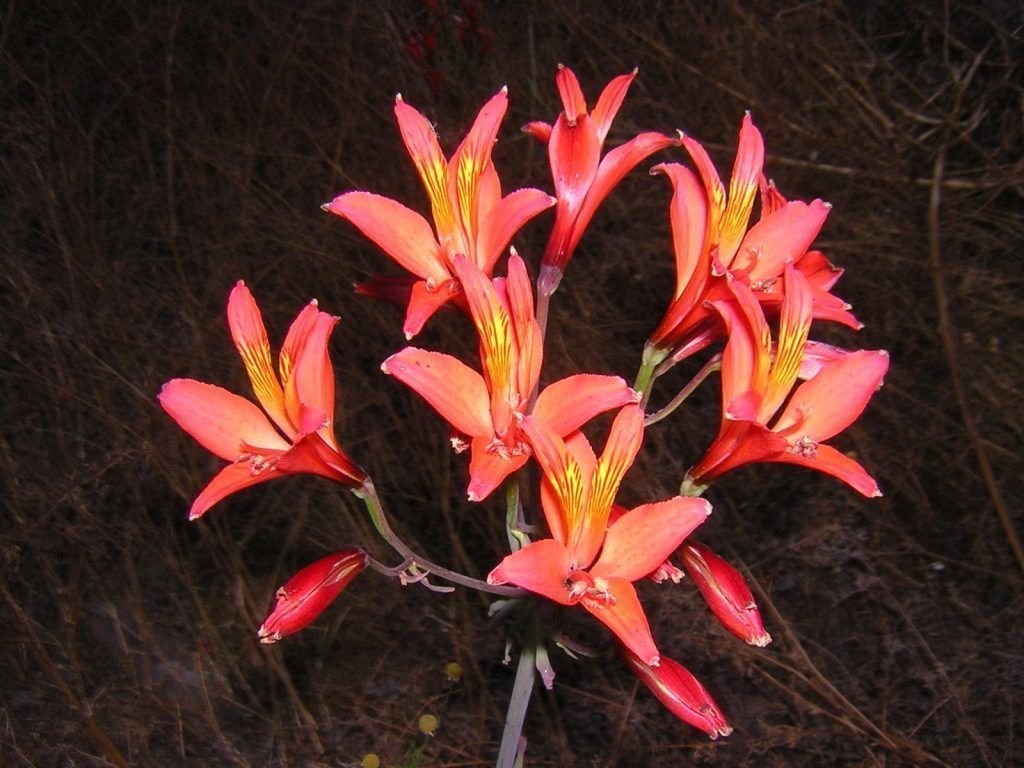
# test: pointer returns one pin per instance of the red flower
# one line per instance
(682, 694)
(582, 178)
(297, 437)
(471, 218)
(308, 593)
(726, 592)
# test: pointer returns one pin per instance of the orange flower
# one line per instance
(758, 376)
(587, 561)
(711, 240)
(297, 437)
(471, 218)
(487, 408)
(582, 178)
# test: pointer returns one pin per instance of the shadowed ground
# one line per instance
(153, 154)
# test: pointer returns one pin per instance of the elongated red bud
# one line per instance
(726, 593)
(682, 694)
(310, 591)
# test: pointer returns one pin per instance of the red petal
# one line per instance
(221, 421)
(311, 385)
(780, 238)
(682, 694)
(539, 130)
(488, 469)
(573, 101)
(455, 390)
(743, 187)
(830, 461)
(642, 539)
(501, 222)
(609, 102)
(726, 592)
(424, 302)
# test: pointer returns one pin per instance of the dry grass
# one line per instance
(155, 153)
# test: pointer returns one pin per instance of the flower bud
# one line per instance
(682, 694)
(310, 591)
(726, 593)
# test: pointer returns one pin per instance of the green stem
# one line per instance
(517, 538)
(646, 375)
(712, 365)
(522, 690)
(368, 493)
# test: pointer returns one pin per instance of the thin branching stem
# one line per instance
(712, 365)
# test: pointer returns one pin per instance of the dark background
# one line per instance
(154, 153)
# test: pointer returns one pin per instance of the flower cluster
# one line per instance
(748, 290)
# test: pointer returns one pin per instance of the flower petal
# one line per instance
(221, 421)
(743, 188)
(541, 567)
(507, 217)
(573, 102)
(569, 403)
(425, 151)
(643, 538)
(609, 102)
(250, 337)
(780, 238)
(488, 469)
(455, 390)
(232, 478)
(400, 232)
(311, 385)
(827, 459)
(623, 614)
(424, 301)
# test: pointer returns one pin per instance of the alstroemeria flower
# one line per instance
(587, 561)
(726, 592)
(758, 376)
(487, 408)
(712, 243)
(297, 437)
(471, 218)
(682, 694)
(308, 593)
(582, 178)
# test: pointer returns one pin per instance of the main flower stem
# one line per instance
(368, 493)
(519, 701)
(646, 375)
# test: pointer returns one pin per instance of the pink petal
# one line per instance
(455, 390)
(643, 538)
(221, 421)
(401, 233)
(569, 403)
(541, 567)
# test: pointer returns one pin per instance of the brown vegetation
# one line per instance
(154, 153)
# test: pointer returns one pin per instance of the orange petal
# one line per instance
(780, 238)
(471, 162)
(561, 470)
(541, 567)
(311, 385)
(569, 403)
(831, 401)
(622, 613)
(401, 233)
(455, 390)
(743, 188)
(421, 143)
(488, 468)
(507, 217)
(569, 89)
(643, 538)
(827, 459)
(794, 326)
(250, 337)
(424, 302)
(221, 421)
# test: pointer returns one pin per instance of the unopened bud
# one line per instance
(726, 593)
(682, 694)
(310, 591)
